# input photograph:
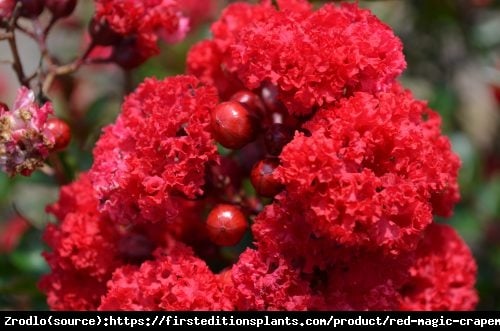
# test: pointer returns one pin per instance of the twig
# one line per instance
(65, 69)
(6, 35)
(53, 20)
(16, 65)
(25, 31)
(41, 39)
(58, 168)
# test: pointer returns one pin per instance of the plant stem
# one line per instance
(65, 69)
(16, 64)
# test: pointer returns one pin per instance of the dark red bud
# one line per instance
(232, 125)
(60, 8)
(252, 103)
(276, 137)
(226, 225)
(6, 8)
(31, 8)
(263, 180)
(269, 94)
(61, 132)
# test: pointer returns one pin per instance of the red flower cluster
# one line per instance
(375, 169)
(175, 280)
(314, 57)
(353, 190)
(133, 27)
(156, 153)
(443, 274)
(94, 256)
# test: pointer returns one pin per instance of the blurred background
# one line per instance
(452, 48)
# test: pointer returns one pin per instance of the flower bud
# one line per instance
(60, 8)
(232, 125)
(61, 133)
(226, 225)
(263, 180)
(31, 8)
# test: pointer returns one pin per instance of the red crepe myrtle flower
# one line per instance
(264, 283)
(157, 151)
(175, 280)
(25, 141)
(88, 247)
(443, 275)
(198, 11)
(84, 250)
(361, 166)
(315, 57)
(374, 170)
(140, 24)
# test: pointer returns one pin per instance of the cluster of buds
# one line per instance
(34, 8)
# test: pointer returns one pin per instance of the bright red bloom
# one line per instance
(204, 61)
(157, 151)
(350, 227)
(264, 283)
(85, 251)
(373, 170)
(198, 11)
(444, 274)
(175, 280)
(341, 278)
(25, 141)
(142, 22)
(315, 57)
(363, 280)
(88, 248)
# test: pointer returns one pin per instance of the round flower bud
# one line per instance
(31, 8)
(226, 225)
(136, 248)
(60, 8)
(262, 178)
(6, 9)
(232, 125)
(251, 101)
(269, 94)
(61, 132)
(276, 137)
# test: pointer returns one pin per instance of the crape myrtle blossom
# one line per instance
(314, 57)
(134, 27)
(358, 168)
(156, 152)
